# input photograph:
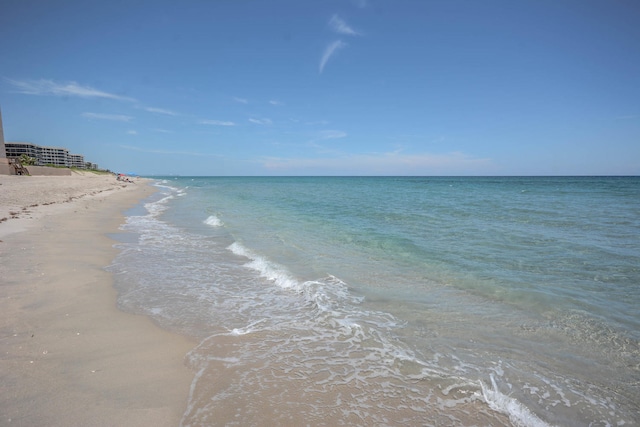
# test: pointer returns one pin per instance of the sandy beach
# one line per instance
(68, 356)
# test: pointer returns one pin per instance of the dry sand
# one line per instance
(68, 356)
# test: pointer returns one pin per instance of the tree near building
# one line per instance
(26, 160)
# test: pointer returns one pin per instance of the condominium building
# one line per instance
(45, 156)
(54, 156)
(77, 161)
(16, 149)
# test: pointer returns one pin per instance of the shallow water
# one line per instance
(387, 301)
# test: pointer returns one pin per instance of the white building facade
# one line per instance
(46, 156)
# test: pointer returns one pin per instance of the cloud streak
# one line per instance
(338, 25)
(263, 122)
(73, 89)
(329, 52)
(392, 163)
(114, 117)
(628, 117)
(216, 123)
(331, 134)
(160, 111)
(169, 152)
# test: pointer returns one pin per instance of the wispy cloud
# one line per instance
(264, 122)
(276, 103)
(331, 134)
(216, 123)
(115, 117)
(49, 87)
(168, 152)
(326, 135)
(160, 111)
(628, 117)
(338, 25)
(240, 100)
(161, 130)
(329, 52)
(317, 122)
(391, 163)
(132, 132)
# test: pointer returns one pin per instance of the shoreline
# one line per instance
(68, 355)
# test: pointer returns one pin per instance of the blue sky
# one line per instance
(327, 87)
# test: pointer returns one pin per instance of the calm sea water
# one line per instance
(396, 301)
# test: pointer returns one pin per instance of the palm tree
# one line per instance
(26, 160)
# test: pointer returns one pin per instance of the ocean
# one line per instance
(386, 301)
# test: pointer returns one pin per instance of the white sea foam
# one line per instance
(213, 221)
(267, 269)
(156, 208)
(164, 184)
(518, 414)
(247, 329)
(330, 296)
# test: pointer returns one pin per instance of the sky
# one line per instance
(327, 87)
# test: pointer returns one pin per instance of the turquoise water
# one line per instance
(388, 301)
